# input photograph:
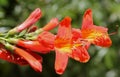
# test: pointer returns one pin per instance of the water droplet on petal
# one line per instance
(12, 57)
(8, 57)
(21, 57)
(18, 58)
(0, 52)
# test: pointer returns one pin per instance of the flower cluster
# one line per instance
(22, 44)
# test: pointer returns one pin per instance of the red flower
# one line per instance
(11, 57)
(63, 44)
(95, 34)
(33, 59)
(68, 45)
(34, 63)
(47, 39)
(33, 17)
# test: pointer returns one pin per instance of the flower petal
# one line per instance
(61, 61)
(63, 45)
(64, 35)
(97, 35)
(37, 56)
(87, 19)
(47, 39)
(34, 63)
(76, 34)
(80, 54)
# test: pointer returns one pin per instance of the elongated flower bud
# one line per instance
(11, 57)
(34, 17)
(35, 46)
(52, 24)
(34, 62)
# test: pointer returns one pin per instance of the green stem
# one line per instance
(9, 47)
(12, 40)
(2, 39)
(33, 35)
(11, 32)
(2, 34)
(6, 44)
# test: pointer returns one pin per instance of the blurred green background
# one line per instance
(104, 62)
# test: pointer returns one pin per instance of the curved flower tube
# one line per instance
(33, 59)
(47, 39)
(11, 57)
(34, 46)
